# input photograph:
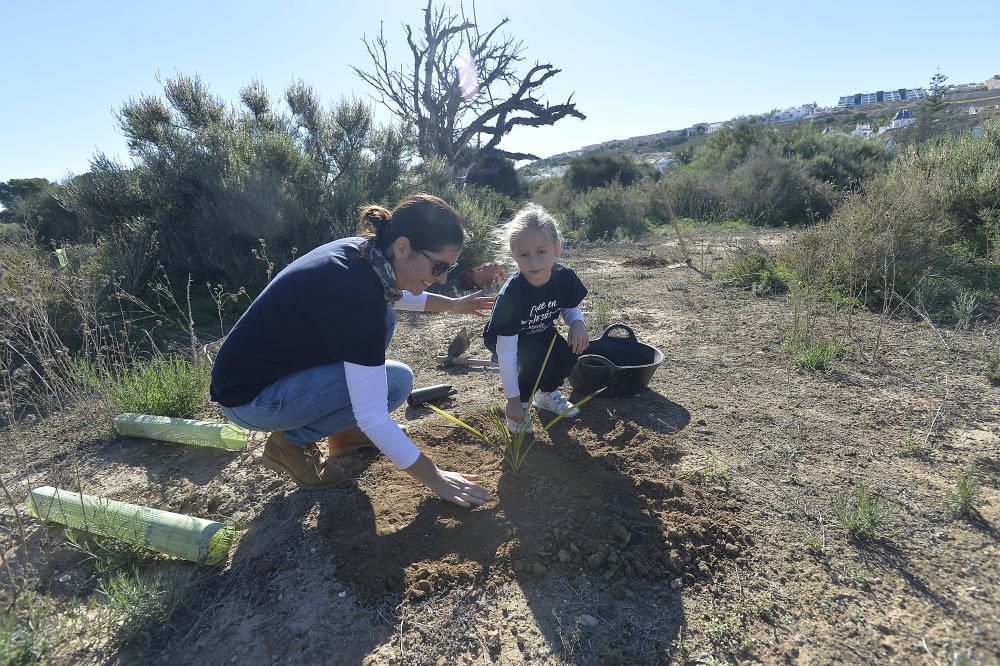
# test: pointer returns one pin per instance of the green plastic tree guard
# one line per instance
(182, 431)
(189, 538)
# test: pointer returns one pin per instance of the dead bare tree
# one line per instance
(464, 129)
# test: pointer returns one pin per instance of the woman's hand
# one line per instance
(514, 411)
(473, 303)
(578, 339)
(460, 489)
(450, 486)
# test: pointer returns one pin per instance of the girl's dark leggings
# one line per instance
(530, 355)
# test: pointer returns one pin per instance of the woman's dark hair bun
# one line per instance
(377, 218)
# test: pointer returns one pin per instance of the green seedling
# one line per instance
(863, 516)
(512, 445)
(963, 501)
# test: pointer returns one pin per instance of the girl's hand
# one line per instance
(578, 339)
(514, 411)
(473, 303)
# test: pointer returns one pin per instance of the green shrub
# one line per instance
(886, 235)
(992, 361)
(602, 169)
(230, 177)
(757, 271)
(554, 194)
(162, 386)
(962, 501)
(606, 212)
(812, 351)
(499, 175)
(132, 603)
(905, 225)
(862, 515)
(21, 632)
(697, 194)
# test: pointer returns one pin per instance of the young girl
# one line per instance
(523, 320)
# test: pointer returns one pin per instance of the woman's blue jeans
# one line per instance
(314, 403)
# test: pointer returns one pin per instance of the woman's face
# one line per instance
(418, 269)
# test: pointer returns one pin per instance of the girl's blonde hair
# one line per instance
(531, 216)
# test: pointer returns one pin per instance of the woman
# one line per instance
(307, 359)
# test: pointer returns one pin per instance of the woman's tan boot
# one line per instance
(304, 463)
(346, 442)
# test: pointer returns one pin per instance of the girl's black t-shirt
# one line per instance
(522, 309)
(326, 306)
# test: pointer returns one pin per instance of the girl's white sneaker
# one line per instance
(554, 402)
(525, 424)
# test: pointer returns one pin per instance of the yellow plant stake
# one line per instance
(189, 538)
(182, 431)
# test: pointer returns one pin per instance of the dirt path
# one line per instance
(693, 521)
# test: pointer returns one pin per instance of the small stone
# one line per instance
(676, 584)
(564, 556)
(597, 560)
(703, 569)
(641, 568)
(732, 550)
(342, 594)
(674, 560)
(620, 532)
(540, 569)
(587, 620)
(65, 578)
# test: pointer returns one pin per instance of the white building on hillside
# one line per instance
(881, 96)
(664, 162)
(902, 119)
(862, 130)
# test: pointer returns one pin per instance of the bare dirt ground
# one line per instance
(691, 523)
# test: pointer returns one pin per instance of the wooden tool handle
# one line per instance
(459, 360)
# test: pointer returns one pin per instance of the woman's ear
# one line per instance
(401, 248)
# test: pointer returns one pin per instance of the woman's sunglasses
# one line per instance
(439, 268)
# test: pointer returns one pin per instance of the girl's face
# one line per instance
(535, 254)
(418, 269)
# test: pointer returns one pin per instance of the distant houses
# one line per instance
(992, 83)
(665, 161)
(803, 112)
(862, 129)
(880, 97)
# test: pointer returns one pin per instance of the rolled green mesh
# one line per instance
(182, 431)
(186, 537)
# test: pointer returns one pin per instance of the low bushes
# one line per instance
(163, 386)
(923, 231)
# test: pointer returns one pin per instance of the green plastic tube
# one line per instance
(182, 431)
(189, 538)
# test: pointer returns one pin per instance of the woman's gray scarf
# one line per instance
(383, 269)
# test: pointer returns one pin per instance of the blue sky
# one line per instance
(636, 67)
